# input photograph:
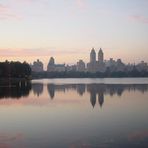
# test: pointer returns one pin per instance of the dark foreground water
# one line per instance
(75, 113)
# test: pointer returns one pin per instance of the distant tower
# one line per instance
(100, 56)
(51, 61)
(51, 65)
(92, 56)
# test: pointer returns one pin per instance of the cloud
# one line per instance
(24, 52)
(36, 52)
(139, 18)
(7, 13)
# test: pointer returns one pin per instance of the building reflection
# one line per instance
(80, 89)
(51, 90)
(101, 98)
(97, 92)
(37, 89)
(93, 99)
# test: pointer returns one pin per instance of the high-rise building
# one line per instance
(100, 56)
(37, 66)
(51, 65)
(72, 68)
(119, 65)
(80, 66)
(51, 61)
(93, 65)
(92, 56)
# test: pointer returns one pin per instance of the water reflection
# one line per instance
(17, 90)
(97, 92)
(37, 89)
(74, 115)
(51, 90)
(111, 89)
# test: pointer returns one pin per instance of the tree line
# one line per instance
(73, 74)
(14, 70)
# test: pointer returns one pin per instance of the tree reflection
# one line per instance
(15, 90)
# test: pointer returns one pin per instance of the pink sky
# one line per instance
(68, 29)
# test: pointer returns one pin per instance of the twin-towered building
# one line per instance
(96, 64)
(93, 66)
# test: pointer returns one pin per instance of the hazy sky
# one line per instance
(68, 29)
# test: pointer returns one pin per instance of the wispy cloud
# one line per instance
(7, 13)
(37, 52)
(24, 52)
(139, 18)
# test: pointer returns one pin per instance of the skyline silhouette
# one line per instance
(74, 73)
(96, 63)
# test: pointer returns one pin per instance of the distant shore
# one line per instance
(45, 74)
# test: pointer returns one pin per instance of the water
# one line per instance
(75, 113)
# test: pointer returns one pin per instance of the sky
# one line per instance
(68, 29)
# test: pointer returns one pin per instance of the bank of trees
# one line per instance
(14, 70)
(74, 74)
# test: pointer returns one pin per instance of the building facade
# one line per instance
(37, 66)
(96, 66)
(52, 67)
(80, 66)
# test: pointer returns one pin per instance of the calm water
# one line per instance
(75, 113)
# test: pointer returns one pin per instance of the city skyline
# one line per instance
(96, 63)
(67, 30)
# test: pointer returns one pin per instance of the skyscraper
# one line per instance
(51, 61)
(93, 64)
(80, 66)
(92, 56)
(100, 56)
(51, 65)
